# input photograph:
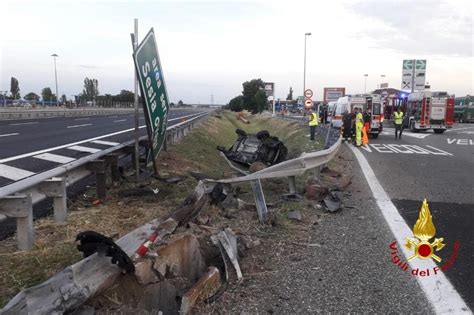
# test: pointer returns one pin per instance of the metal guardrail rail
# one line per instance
(17, 199)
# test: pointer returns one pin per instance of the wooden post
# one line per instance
(21, 208)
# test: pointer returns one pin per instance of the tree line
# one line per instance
(90, 92)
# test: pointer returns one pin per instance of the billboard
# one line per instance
(331, 94)
(269, 86)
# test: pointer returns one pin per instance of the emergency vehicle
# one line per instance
(362, 101)
(429, 110)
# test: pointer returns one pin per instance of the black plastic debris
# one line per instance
(333, 201)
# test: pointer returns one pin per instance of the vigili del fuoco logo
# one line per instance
(421, 247)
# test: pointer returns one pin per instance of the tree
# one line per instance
(91, 89)
(260, 100)
(32, 97)
(289, 97)
(125, 96)
(180, 103)
(235, 104)
(47, 95)
(15, 88)
(250, 89)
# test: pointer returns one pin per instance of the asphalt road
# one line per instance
(440, 168)
(31, 146)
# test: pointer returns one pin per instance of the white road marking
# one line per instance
(12, 158)
(76, 126)
(83, 149)
(105, 142)
(439, 291)
(460, 141)
(14, 173)
(120, 120)
(403, 148)
(86, 118)
(391, 132)
(54, 158)
(24, 123)
(9, 134)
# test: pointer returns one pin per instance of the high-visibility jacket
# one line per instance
(313, 120)
(398, 118)
(359, 118)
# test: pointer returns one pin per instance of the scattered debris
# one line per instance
(256, 166)
(145, 273)
(307, 244)
(295, 215)
(315, 191)
(206, 287)
(227, 242)
(330, 172)
(96, 202)
(137, 192)
(333, 201)
(292, 197)
(171, 179)
(248, 242)
(203, 219)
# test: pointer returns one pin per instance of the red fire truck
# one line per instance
(429, 110)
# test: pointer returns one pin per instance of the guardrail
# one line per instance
(17, 199)
(48, 113)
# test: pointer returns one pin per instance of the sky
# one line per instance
(209, 48)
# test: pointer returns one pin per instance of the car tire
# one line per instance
(261, 135)
(412, 127)
(375, 135)
(439, 131)
(240, 132)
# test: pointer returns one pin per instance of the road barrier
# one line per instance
(18, 198)
(9, 114)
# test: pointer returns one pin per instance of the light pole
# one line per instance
(56, 78)
(4, 98)
(365, 83)
(304, 69)
(382, 76)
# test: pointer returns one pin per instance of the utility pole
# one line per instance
(304, 68)
(56, 78)
(365, 83)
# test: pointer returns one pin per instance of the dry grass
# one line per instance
(54, 247)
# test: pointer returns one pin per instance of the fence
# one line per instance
(17, 199)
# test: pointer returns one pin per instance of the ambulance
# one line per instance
(362, 101)
(429, 110)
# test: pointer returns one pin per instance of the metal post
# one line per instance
(292, 184)
(56, 78)
(135, 44)
(260, 201)
(365, 83)
(413, 76)
(304, 69)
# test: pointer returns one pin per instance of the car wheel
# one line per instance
(263, 134)
(439, 131)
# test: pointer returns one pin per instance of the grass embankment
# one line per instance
(54, 247)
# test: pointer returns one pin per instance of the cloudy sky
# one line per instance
(211, 47)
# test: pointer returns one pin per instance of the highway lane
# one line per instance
(441, 169)
(77, 141)
(23, 136)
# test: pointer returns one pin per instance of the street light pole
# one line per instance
(365, 83)
(56, 78)
(382, 76)
(304, 69)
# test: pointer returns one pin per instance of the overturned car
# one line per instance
(260, 147)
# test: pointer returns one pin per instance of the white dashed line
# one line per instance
(120, 120)
(54, 158)
(24, 123)
(105, 142)
(9, 134)
(13, 173)
(84, 149)
(439, 291)
(76, 126)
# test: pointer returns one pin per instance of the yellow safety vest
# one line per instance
(313, 120)
(359, 118)
(398, 118)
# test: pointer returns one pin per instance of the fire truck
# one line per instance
(429, 110)
(362, 101)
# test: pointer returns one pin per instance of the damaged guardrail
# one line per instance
(17, 199)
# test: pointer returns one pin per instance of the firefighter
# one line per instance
(367, 119)
(359, 125)
(313, 123)
(398, 121)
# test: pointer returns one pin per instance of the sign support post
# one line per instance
(135, 103)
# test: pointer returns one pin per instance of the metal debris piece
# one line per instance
(227, 242)
(206, 287)
(333, 201)
(295, 215)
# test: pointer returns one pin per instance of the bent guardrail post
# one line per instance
(292, 184)
(21, 208)
(98, 167)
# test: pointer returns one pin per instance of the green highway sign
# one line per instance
(153, 91)
(408, 64)
(420, 64)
